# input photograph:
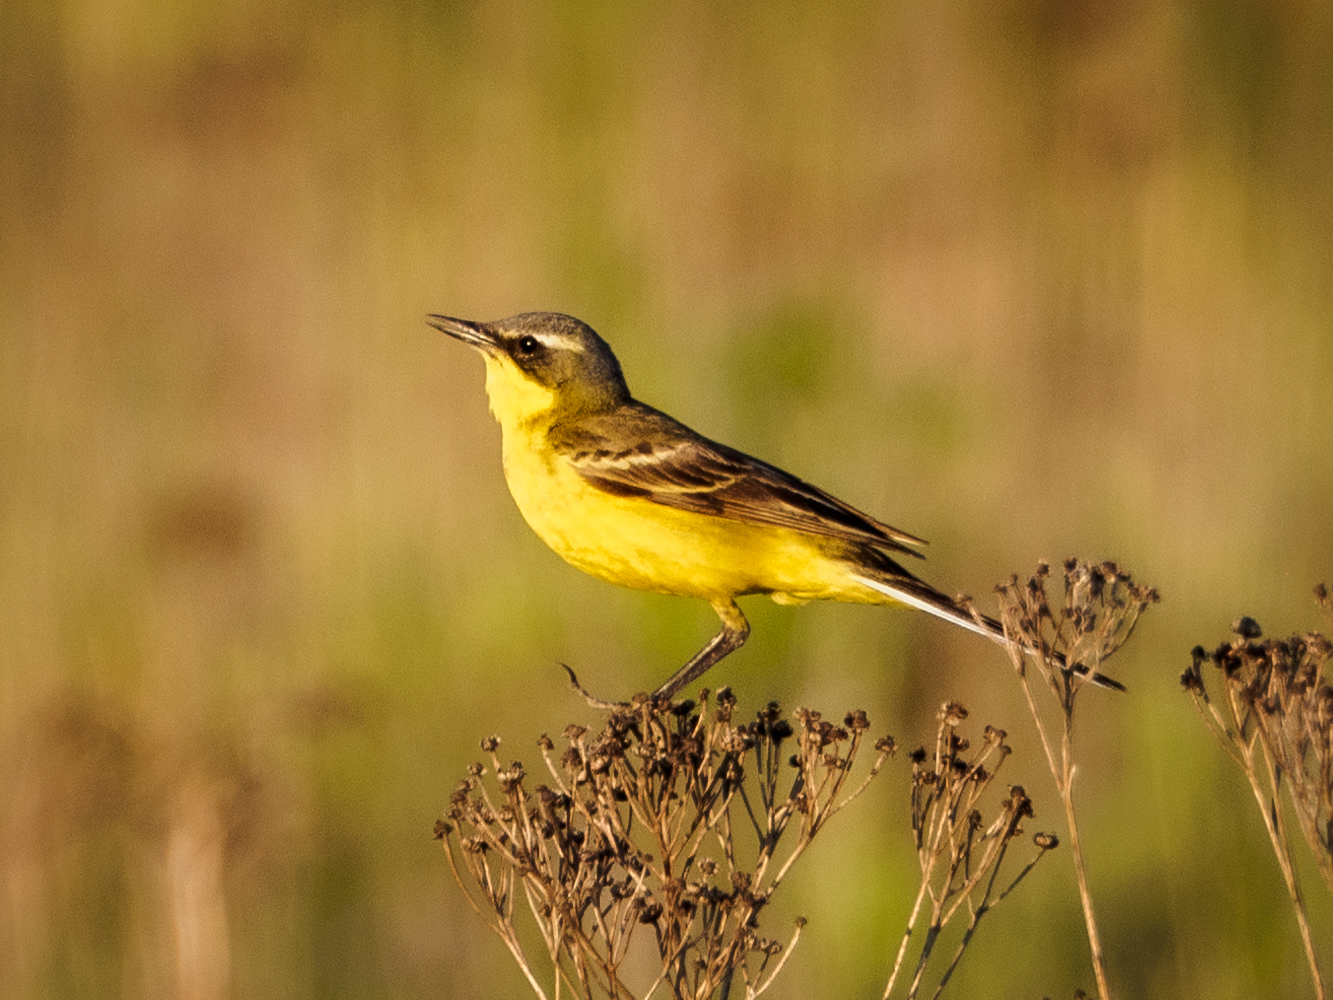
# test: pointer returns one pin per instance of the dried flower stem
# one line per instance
(641, 830)
(956, 850)
(1275, 697)
(1101, 609)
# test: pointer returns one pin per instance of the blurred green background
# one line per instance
(1029, 280)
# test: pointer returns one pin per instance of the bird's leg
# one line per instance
(592, 700)
(735, 630)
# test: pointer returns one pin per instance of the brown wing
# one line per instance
(638, 451)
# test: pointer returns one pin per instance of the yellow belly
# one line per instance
(640, 544)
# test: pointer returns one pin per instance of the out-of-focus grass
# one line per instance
(1030, 282)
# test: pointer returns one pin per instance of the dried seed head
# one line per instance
(736, 741)
(1246, 628)
(952, 713)
(621, 890)
(726, 704)
(1046, 841)
(1191, 680)
(1019, 801)
(576, 849)
(571, 760)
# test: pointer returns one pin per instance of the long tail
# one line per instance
(923, 597)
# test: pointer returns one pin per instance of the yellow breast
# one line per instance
(645, 545)
(637, 543)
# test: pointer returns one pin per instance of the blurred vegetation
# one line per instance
(1027, 279)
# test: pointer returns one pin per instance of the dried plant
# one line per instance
(669, 821)
(1065, 647)
(960, 854)
(1276, 722)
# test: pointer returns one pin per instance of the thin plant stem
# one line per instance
(1275, 696)
(1277, 835)
(1063, 773)
(959, 854)
(1067, 648)
(639, 837)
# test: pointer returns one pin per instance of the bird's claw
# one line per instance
(635, 704)
(591, 699)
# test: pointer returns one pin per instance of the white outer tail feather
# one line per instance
(991, 629)
(950, 614)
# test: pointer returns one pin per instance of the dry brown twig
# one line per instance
(1276, 722)
(1101, 608)
(669, 822)
(960, 854)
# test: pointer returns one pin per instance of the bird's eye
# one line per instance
(528, 346)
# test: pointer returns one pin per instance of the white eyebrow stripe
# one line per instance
(558, 340)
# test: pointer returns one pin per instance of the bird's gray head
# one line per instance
(555, 352)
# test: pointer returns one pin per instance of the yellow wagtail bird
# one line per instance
(628, 494)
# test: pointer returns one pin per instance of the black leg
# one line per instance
(735, 630)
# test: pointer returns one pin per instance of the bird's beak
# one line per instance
(478, 335)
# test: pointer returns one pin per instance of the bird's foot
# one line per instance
(635, 704)
(591, 699)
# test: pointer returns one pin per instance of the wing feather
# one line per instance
(641, 452)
